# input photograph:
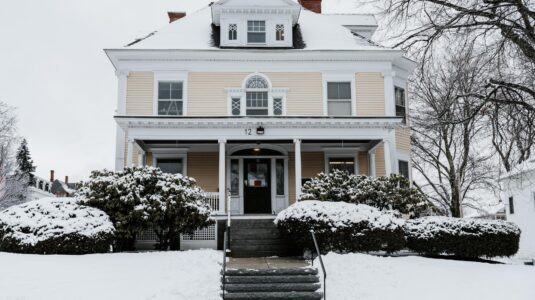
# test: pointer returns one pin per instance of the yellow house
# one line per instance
(256, 97)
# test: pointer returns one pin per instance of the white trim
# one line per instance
(298, 169)
(173, 76)
(390, 100)
(221, 175)
(404, 156)
(339, 77)
(261, 145)
(183, 156)
(342, 153)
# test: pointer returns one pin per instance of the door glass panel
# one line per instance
(234, 177)
(170, 165)
(279, 168)
(257, 175)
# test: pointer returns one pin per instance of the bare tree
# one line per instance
(447, 155)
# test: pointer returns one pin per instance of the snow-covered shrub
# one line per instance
(393, 192)
(341, 226)
(470, 238)
(55, 226)
(141, 198)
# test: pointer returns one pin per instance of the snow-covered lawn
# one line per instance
(365, 277)
(158, 275)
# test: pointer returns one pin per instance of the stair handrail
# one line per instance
(226, 243)
(321, 262)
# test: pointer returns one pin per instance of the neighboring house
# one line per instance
(62, 188)
(40, 189)
(256, 97)
(518, 194)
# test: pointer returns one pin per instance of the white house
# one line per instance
(518, 194)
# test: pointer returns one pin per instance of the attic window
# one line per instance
(232, 32)
(279, 32)
(256, 32)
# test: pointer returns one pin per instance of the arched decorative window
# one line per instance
(257, 82)
(256, 90)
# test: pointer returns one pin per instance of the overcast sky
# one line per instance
(54, 71)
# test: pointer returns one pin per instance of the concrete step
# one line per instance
(272, 272)
(253, 223)
(262, 253)
(254, 233)
(245, 242)
(270, 287)
(272, 279)
(275, 296)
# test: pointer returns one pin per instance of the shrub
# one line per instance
(141, 198)
(55, 226)
(341, 226)
(468, 238)
(393, 192)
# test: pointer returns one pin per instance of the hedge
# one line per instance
(468, 238)
(341, 227)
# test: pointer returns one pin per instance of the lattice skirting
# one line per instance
(204, 238)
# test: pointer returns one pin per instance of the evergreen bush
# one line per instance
(466, 238)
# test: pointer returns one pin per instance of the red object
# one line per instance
(51, 175)
(67, 179)
(258, 183)
(313, 5)
(175, 15)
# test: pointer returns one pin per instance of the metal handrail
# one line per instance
(226, 244)
(321, 262)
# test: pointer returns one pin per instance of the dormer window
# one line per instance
(232, 32)
(256, 32)
(279, 32)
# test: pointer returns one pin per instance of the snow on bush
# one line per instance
(469, 238)
(55, 226)
(141, 198)
(341, 226)
(385, 193)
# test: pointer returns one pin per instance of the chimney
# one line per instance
(175, 15)
(51, 175)
(313, 5)
(67, 179)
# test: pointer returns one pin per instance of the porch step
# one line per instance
(258, 238)
(270, 284)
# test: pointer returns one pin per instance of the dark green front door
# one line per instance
(257, 186)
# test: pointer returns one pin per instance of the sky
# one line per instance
(53, 70)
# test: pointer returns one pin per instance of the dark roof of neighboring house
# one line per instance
(60, 187)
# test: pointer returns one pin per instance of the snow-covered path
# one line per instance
(160, 275)
(365, 277)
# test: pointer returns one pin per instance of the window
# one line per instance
(170, 98)
(236, 106)
(256, 32)
(403, 167)
(342, 163)
(277, 106)
(339, 98)
(232, 32)
(279, 32)
(400, 103)
(511, 205)
(279, 173)
(257, 104)
(170, 165)
(234, 177)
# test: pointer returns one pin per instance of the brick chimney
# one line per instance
(51, 175)
(67, 179)
(175, 15)
(313, 5)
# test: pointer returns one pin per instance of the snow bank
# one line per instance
(191, 275)
(366, 277)
(47, 218)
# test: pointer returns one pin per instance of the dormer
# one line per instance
(256, 23)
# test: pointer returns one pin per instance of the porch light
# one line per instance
(260, 130)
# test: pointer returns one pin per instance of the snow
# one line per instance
(520, 169)
(340, 214)
(46, 218)
(366, 277)
(191, 275)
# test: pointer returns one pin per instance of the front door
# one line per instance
(257, 186)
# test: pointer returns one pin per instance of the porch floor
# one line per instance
(266, 263)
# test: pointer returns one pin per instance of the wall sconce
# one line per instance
(260, 130)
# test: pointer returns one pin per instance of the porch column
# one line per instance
(130, 153)
(222, 189)
(388, 160)
(371, 163)
(297, 143)
(120, 135)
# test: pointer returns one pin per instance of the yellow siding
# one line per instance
(380, 161)
(204, 166)
(206, 92)
(312, 163)
(140, 94)
(403, 139)
(305, 92)
(363, 163)
(148, 159)
(370, 94)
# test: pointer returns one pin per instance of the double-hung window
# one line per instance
(401, 110)
(339, 98)
(257, 103)
(232, 32)
(346, 164)
(403, 167)
(256, 32)
(511, 205)
(170, 98)
(170, 165)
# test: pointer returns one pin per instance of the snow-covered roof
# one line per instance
(319, 32)
(352, 19)
(521, 169)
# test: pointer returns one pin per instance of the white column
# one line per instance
(120, 136)
(388, 159)
(130, 153)
(371, 163)
(390, 101)
(297, 143)
(222, 189)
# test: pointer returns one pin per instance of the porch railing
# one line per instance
(213, 200)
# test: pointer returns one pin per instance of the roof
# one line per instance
(352, 19)
(319, 32)
(521, 169)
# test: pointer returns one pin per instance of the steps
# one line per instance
(258, 238)
(264, 284)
